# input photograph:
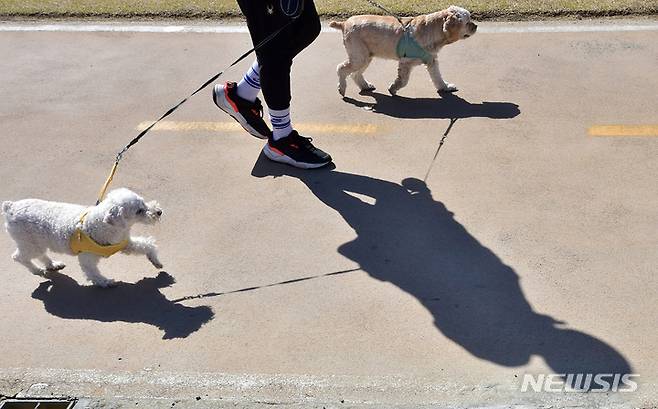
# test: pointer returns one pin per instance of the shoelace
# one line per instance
(306, 142)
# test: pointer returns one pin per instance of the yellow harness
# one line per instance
(82, 243)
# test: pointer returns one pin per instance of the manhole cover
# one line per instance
(36, 404)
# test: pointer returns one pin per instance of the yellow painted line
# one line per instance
(234, 127)
(624, 130)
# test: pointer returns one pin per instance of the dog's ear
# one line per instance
(115, 216)
(452, 22)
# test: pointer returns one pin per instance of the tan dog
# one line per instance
(365, 37)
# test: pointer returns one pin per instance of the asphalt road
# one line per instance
(530, 248)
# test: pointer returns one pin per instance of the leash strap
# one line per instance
(443, 139)
(101, 195)
(382, 8)
(175, 107)
(211, 80)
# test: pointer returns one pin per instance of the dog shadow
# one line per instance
(448, 106)
(413, 241)
(141, 302)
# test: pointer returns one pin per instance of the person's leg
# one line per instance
(240, 101)
(306, 29)
(281, 123)
(278, 64)
(277, 57)
(275, 79)
(275, 62)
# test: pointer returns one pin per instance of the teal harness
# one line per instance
(408, 47)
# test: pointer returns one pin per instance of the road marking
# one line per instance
(484, 28)
(624, 130)
(315, 128)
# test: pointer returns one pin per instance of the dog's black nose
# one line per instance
(159, 212)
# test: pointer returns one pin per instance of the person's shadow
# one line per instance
(142, 302)
(412, 241)
(447, 106)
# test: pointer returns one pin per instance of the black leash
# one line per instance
(210, 81)
(445, 135)
(452, 120)
(175, 107)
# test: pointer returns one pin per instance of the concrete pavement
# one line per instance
(530, 249)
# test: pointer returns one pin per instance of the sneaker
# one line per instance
(248, 114)
(297, 151)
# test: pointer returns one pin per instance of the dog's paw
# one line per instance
(368, 88)
(393, 90)
(56, 266)
(154, 260)
(448, 88)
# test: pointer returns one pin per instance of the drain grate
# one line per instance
(36, 404)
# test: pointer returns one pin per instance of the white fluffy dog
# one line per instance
(37, 226)
(366, 37)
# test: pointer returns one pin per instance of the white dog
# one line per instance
(365, 37)
(37, 226)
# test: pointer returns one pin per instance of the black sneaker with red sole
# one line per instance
(248, 114)
(297, 151)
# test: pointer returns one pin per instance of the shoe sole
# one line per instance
(219, 97)
(276, 157)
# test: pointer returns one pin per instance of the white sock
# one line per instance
(249, 85)
(281, 124)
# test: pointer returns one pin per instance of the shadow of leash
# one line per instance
(242, 290)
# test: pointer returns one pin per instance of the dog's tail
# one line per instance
(6, 207)
(338, 25)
